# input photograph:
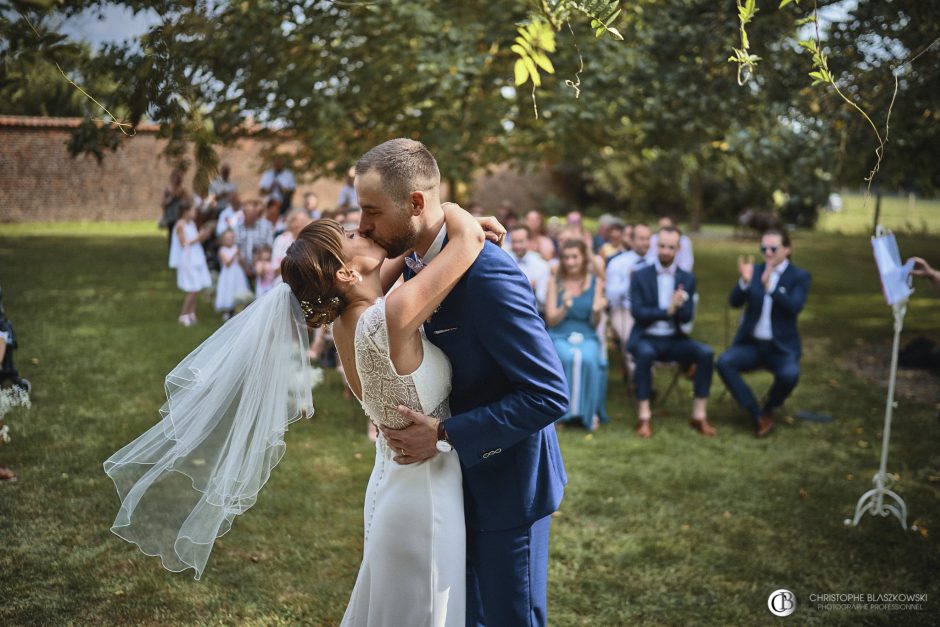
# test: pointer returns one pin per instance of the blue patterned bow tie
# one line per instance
(416, 265)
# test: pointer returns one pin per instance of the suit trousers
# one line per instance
(649, 349)
(754, 355)
(507, 576)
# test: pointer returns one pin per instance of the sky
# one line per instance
(116, 24)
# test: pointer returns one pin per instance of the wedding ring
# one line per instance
(402, 452)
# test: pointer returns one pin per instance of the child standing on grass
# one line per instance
(265, 275)
(232, 279)
(189, 259)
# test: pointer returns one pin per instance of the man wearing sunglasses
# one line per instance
(774, 293)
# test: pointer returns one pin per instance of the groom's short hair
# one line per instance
(405, 166)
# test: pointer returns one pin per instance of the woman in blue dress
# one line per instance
(574, 304)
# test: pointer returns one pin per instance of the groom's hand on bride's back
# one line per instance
(416, 442)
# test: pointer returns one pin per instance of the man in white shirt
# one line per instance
(768, 339)
(617, 288)
(531, 263)
(222, 188)
(279, 183)
(253, 232)
(662, 298)
(685, 259)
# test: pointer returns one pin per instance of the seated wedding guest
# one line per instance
(662, 298)
(539, 241)
(574, 303)
(626, 239)
(685, 259)
(531, 263)
(254, 231)
(613, 245)
(619, 272)
(602, 235)
(774, 293)
(922, 268)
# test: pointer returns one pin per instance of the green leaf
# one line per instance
(543, 62)
(522, 74)
(533, 71)
(784, 3)
(809, 44)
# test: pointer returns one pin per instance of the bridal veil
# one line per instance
(228, 404)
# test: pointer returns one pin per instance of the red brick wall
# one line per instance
(39, 181)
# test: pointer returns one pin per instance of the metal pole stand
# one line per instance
(873, 501)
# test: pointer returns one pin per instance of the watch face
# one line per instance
(444, 446)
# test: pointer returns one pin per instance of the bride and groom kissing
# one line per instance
(454, 366)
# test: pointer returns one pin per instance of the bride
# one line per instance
(229, 402)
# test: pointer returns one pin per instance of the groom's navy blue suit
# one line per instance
(508, 389)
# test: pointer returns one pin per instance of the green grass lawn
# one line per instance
(900, 214)
(677, 530)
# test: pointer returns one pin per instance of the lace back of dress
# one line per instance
(383, 389)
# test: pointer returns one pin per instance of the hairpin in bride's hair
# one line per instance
(315, 312)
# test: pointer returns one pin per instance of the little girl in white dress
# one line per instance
(265, 271)
(189, 259)
(232, 279)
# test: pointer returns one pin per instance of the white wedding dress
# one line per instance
(413, 569)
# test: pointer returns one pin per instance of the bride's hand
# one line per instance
(492, 229)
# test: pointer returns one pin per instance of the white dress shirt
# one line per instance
(278, 182)
(229, 219)
(666, 283)
(435, 247)
(538, 272)
(763, 330)
(619, 271)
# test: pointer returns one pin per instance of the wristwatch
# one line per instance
(443, 444)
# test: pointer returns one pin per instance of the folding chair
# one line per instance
(678, 369)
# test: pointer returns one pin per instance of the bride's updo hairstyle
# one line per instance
(310, 269)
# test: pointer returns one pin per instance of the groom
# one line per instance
(508, 390)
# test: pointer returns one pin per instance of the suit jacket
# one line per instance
(508, 390)
(788, 299)
(644, 302)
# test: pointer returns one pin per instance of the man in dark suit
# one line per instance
(508, 390)
(768, 337)
(662, 299)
